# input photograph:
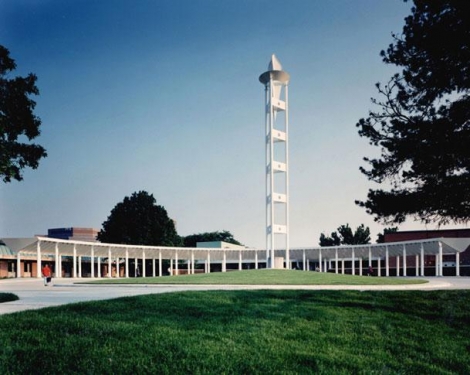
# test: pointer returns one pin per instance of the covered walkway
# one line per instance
(103, 256)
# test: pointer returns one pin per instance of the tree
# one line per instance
(17, 121)
(381, 236)
(333, 240)
(423, 122)
(226, 236)
(346, 236)
(138, 220)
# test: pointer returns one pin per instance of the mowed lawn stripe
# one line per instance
(265, 277)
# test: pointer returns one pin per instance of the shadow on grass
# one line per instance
(8, 297)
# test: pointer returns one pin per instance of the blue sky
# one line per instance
(164, 96)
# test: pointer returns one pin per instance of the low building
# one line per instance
(449, 261)
(27, 264)
(219, 245)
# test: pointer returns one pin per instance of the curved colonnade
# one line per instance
(324, 258)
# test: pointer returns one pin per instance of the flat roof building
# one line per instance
(74, 234)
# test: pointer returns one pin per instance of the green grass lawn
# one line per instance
(266, 277)
(244, 332)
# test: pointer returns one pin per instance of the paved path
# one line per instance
(34, 295)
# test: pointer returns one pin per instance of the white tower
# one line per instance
(276, 83)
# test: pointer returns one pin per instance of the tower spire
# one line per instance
(274, 64)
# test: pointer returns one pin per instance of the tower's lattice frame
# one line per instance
(276, 83)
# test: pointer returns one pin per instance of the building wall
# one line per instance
(73, 233)
(426, 234)
(3, 268)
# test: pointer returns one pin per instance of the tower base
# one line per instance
(278, 263)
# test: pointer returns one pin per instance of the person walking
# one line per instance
(46, 273)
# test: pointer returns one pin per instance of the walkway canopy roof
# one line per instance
(66, 247)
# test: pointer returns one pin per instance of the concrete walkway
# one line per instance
(34, 295)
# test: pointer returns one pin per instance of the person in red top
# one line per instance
(46, 273)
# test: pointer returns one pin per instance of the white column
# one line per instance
(422, 260)
(127, 262)
(337, 261)
(117, 267)
(74, 264)
(143, 264)
(92, 261)
(308, 264)
(437, 264)
(360, 266)
(176, 263)
(370, 256)
(256, 260)
(353, 262)
(79, 267)
(189, 267)
(208, 262)
(417, 265)
(154, 267)
(160, 263)
(109, 263)
(404, 260)
(60, 264)
(387, 262)
(319, 260)
(325, 269)
(56, 267)
(288, 264)
(240, 260)
(457, 264)
(304, 258)
(99, 267)
(440, 260)
(398, 265)
(38, 260)
(342, 266)
(18, 265)
(224, 262)
(171, 267)
(192, 262)
(379, 267)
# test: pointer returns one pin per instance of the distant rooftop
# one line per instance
(5, 250)
(73, 233)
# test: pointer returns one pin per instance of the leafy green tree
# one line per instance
(332, 240)
(381, 236)
(138, 220)
(422, 124)
(226, 236)
(346, 236)
(18, 124)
